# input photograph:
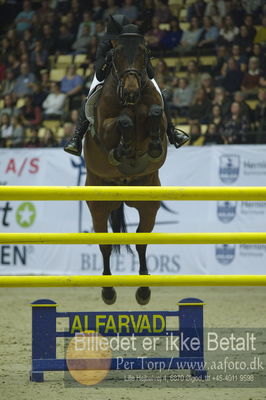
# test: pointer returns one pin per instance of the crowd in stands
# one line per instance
(209, 56)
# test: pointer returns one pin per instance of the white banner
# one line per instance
(189, 166)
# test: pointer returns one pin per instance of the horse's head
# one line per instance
(130, 58)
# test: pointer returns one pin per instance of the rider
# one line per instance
(102, 67)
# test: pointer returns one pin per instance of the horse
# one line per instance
(128, 147)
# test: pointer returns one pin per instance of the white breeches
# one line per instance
(95, 82)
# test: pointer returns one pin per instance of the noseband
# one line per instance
(139, 75)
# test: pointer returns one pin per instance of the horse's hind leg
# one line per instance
(155, 148)
(100, 213)
(147, 212)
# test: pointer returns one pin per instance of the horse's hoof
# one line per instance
(112, 158)
(109, 295)
(155, 150)
(143, 295)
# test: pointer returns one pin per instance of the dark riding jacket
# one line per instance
(103, 62)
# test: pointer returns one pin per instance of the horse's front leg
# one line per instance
(125, 127)
(155, 148)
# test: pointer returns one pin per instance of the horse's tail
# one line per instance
(118, 224)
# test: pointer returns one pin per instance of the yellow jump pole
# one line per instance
(143, 193)
(134, 238)
(132, 280)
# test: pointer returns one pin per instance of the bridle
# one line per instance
(141, 76)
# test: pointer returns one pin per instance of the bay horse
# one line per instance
(128, 148)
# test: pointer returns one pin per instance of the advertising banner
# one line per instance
(189, 166)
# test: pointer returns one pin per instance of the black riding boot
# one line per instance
(74, 146)
(175, 136)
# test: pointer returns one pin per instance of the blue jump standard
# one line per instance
(44, 334)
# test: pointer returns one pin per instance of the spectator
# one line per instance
(232, 76)
(35, 26)
(2, 69)
(162, 70)
(81, 45)
(200, 107)
(261, 33)
(220, 4)
(240, 98)
(258, 52)
(5, 129)
(43, 11)
(212, 136)
(172, 37)
(33, 139)
(23, 82)
(68, 131)
(229, 31)
(49, 139)
(221, 100)
(8, 84)
(76, 11)
(64, 41)
(207, 85)
(260, 116)
(197, 9)
(12, 36)
(208, 35)
(222, 57)
(251, 79)
(71, 85)
(147, 12)
(17, 131)
(5, 49)
(243, 39)
(249, 23)
(216, 117)
(239, 58)
(71, 24)
(182, 97)
(9, 106)
(190, 37)
(13, 64)
(24, 18)
(155, 35)
(31, 115)
(74, 114)
(39, 94)
(195, 133)
(47, 38)
(111, 9)
(28, 39)
(194, 76)
(216, 18)
(92, 50)
(54, 103)
(97, 10)
(163, 12)
(23, 50)
(38, 57)
(45, 80)
(87, 21)
(236, 127)
(129, 10)
(100, 30)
